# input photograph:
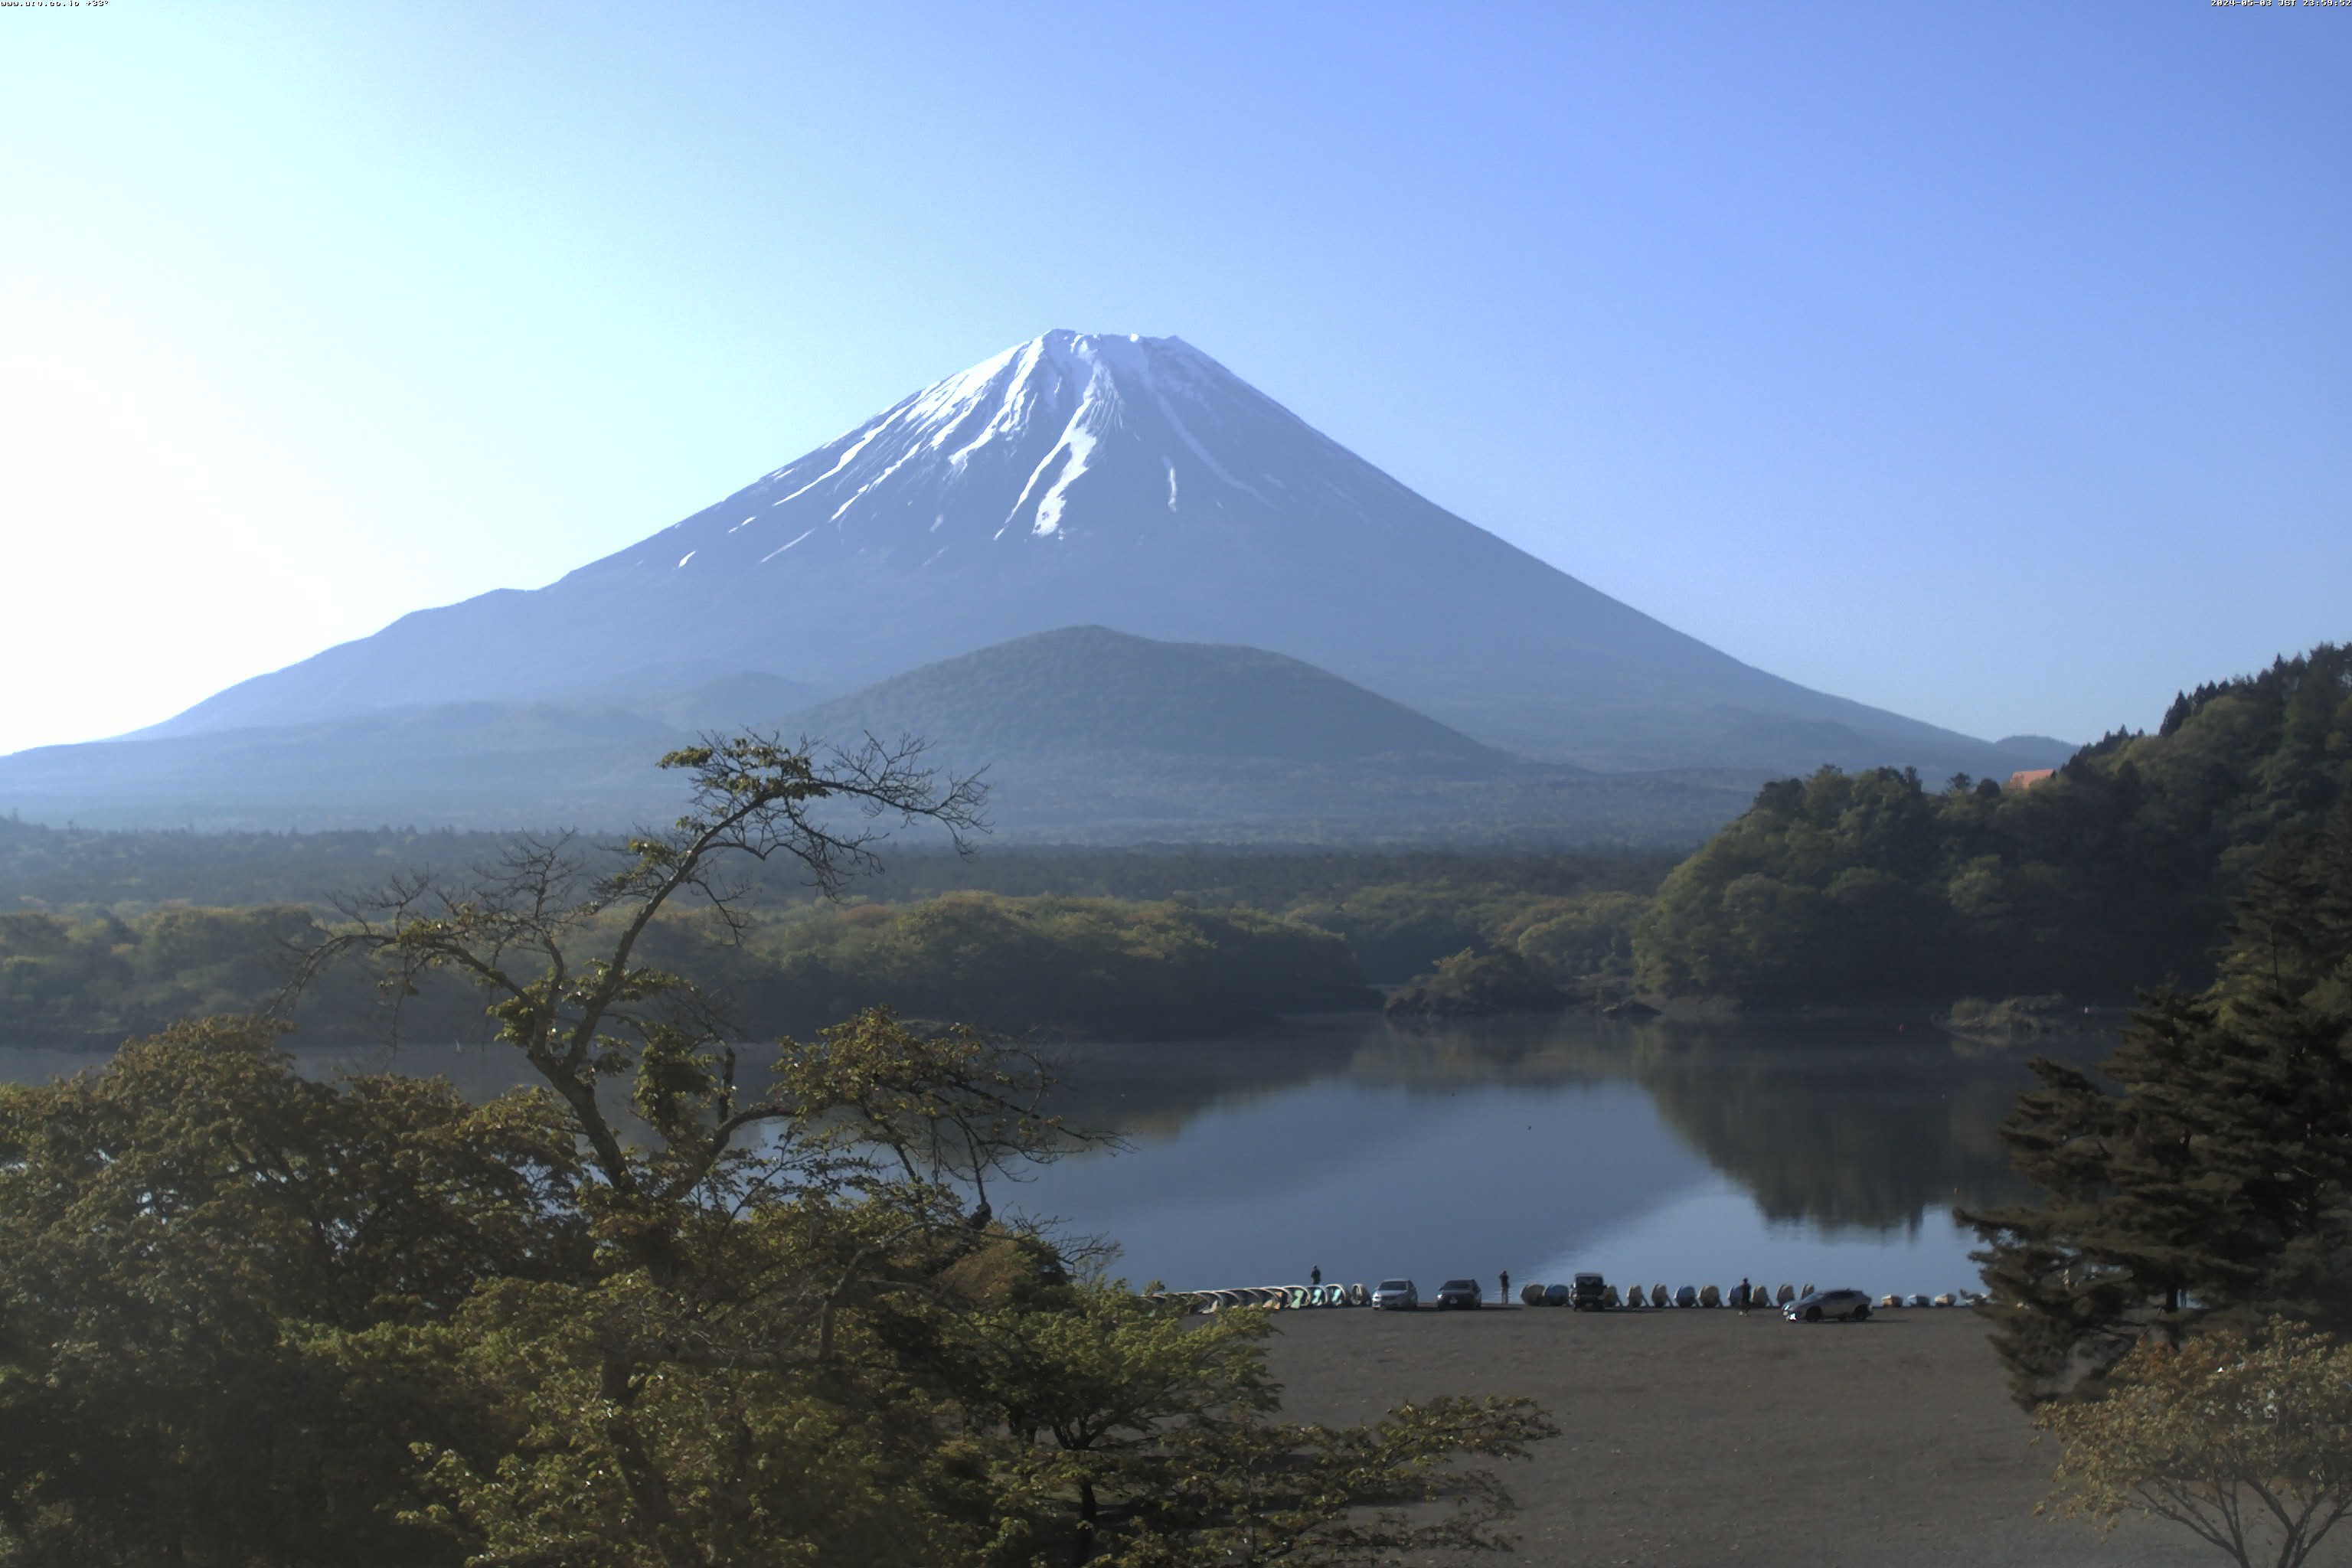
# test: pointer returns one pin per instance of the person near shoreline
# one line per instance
(1314, 1274)
(1744, 1296)
(1505, 1277)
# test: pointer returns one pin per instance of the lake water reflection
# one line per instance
(1649, 1152)
(1782, 1151)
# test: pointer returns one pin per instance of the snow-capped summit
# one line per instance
(1120, 482)
(1069, 431)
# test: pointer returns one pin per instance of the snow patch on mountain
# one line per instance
(1033, 421)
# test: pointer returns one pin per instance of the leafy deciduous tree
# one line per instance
(2240, 1443)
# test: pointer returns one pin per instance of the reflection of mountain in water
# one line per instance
(1838, 1125)
(1868, 1133)
(1151, 1091)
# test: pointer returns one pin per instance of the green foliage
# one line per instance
(174, 1233)
(1470, 982)
(1570, 916)
(2104, 878)
(1053, 965)
(1074, 965)
(93, 979)
(2241, 1443)
(2214, 1179)
(1165, 945)
(1568, 938)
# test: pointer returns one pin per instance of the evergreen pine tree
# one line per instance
(2209, 1176)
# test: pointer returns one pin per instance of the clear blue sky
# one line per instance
(1989, 362)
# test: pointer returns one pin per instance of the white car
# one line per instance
(1812, 1307)
(1396, 1296)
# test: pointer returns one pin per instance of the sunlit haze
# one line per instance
(1986, 363)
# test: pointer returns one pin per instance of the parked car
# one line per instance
(1588, 1294)
(1396, 1296)
(1460, 1293)
(1920, 1300)
(1814, 1305)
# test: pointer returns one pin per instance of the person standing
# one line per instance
(1745, 1296)
(1505, 1277)
(1314, 1274)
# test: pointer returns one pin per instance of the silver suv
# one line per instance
(1396, 1296)
(1852, 1305)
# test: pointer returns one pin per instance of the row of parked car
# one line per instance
(1590, 1292)
(1404, 1296)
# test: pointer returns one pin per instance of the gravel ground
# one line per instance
(1696, 1436)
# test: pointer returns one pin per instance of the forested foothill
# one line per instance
(2106, 878)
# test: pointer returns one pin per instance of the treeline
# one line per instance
(1080, 966)
(1113, 945)
(92, 981)
(82, 870)
(2106, 878)
(87, 869)
(1067, 966)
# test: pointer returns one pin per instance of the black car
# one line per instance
(1588, 1294)
(1460, 1293)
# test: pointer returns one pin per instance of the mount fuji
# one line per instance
(1126, 482)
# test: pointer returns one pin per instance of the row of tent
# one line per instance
(1268, 1297)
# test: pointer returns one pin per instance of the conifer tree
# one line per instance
(2209, 1176)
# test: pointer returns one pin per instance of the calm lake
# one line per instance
(1651, 1153)
(1687, 1155)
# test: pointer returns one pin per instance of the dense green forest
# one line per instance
(1092, 966)
(92, 980)
(1053, 966)
(2108, 876)
(1123, 969)
(119, 933)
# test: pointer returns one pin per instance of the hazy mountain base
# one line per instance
(133, 871)
(489, 767)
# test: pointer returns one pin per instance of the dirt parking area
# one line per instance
(1696, 1437)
